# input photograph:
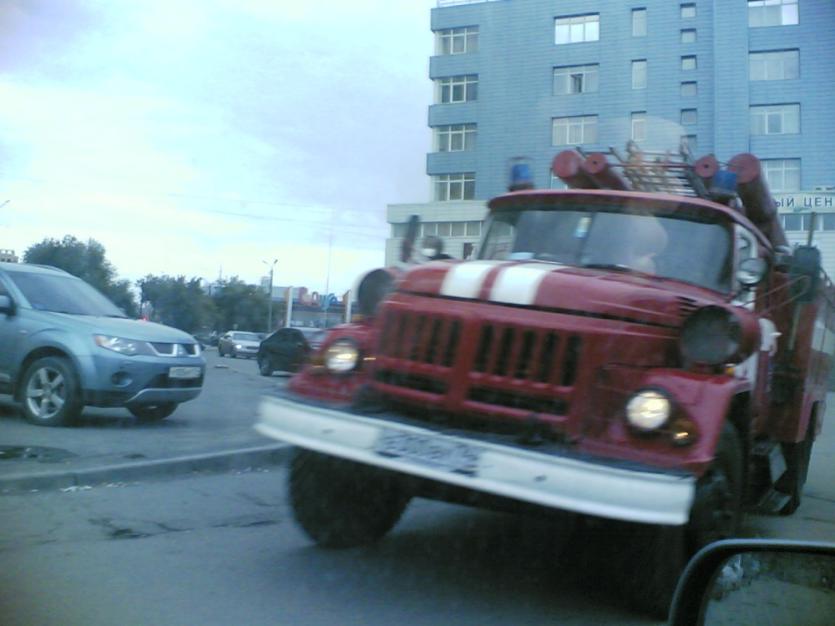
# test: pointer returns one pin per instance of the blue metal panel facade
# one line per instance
(517, 53)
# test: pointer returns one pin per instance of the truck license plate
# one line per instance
(184, 372)
(452, 456)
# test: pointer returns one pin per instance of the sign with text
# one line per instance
(805, 201)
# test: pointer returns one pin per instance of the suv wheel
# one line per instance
(50, 392)
(152, 412)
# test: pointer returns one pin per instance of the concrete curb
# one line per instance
(223, 461)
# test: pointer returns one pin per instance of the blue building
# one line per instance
(533, 77)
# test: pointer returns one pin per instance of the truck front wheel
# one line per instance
(717, 506)
(342, 504)
(658, 553)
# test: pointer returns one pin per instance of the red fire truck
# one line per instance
(641, 347)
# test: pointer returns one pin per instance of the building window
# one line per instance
(428, 228)
(443, 229)
(776, 65)
(689, 117)
(454, 187)
(639, 22)
(688, 35)
(473, 229)
(455, 137)
(573, 79)
(639, 126)
(775, 119)
(457, 89)
(458, 229)
(457, 40)
(577, 28)
(827, 221)
(689, 89)
(691, 142)
(571, 131)
(639, 74)
(772, 13)
(803, 221)
(688, 63)
(782, 175)
(688, 11)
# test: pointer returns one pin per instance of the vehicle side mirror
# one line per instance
(407, 246)
(751, 272)
(7, 305)
(806, 264)
(757, 581)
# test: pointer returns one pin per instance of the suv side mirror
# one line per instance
(7, 305)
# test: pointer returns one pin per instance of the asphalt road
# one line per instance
(222, 549)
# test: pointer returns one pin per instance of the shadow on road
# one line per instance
(549, 566)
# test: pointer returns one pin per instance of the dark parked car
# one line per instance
(287, 349)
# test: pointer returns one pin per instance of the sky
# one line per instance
(200, 137)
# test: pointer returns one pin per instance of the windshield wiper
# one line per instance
(618, 267)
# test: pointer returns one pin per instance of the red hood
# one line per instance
(627, 296)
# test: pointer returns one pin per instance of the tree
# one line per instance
(86, 261)
(178, 302)
(240, 306)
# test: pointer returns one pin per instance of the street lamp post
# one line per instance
(270, 296)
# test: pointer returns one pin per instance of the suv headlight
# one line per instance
(648, 410)
(128, 347)
(341, 356)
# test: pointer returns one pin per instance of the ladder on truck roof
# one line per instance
(660, 171)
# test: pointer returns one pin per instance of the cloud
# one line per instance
(185, 134)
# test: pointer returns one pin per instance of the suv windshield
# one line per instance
(63, 294)
(661, 245)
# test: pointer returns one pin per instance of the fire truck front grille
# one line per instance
(526, 354)
(501, 369)
(420, 338)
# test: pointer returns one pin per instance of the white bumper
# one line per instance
(545, 479)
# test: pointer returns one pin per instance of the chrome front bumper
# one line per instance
(582, 486)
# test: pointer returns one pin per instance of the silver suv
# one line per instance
(63, 345)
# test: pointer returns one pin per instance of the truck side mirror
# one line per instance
(407, 246)
(751, 272)
(806, 271)
(7, 305)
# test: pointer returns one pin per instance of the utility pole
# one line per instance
(270, 296)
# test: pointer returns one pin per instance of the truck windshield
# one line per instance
(63, 294)
(661, 245)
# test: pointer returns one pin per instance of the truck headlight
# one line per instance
(128, 347)
(648, 410)
(341, 356)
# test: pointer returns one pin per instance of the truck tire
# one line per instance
(717, 506)
(797, 455)
(658, 554)
(342, 504)
(50, 393)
